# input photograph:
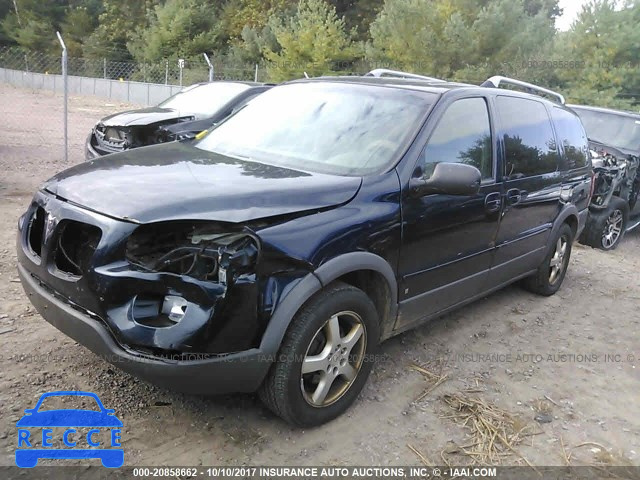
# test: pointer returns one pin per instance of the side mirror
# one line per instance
(448, 179)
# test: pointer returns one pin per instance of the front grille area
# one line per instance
(76, 242)
(111, 139)
(36, 231)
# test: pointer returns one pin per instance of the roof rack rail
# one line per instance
(496, 81)
(383, 72)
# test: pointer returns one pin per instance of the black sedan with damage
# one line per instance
(180, 117)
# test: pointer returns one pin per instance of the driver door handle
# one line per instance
(493, 202)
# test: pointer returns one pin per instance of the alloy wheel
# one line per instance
(558, 263)
(334, 358)
(612, 229)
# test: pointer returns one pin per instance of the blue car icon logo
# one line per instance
(97, 423)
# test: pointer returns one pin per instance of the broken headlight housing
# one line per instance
(201, 251)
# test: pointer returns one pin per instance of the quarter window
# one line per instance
(572, 136)
(530, 147)
(463, 135)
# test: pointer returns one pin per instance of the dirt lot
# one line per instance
(526, 355)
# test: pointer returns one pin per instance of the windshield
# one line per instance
(332, 128)
(610, 129)
(204, 100)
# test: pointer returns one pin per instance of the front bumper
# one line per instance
(90, 153)
(204, 374)
(105, 306)
(93, 149)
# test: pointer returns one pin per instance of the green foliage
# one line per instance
(314, 40)
(358, 14)
(252, 45)
(177, 28)
(459, 39)
(604, 43)
(595, 62)
(240, 14)
(118, 24)
(32, 23)
(77, 26)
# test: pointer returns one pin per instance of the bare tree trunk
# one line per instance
(15, 7)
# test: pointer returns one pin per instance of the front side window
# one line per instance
(529, 143)
(463, 135)
(572, 136)
(325, 127)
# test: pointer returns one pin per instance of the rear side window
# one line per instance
(530, 147)
(463, 135)
(572, 136)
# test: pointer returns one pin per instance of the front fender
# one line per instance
(313, 282)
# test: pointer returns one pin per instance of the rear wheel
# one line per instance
(325, 357)
(605, 229)
(550, 275)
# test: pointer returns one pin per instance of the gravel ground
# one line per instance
(530, 356)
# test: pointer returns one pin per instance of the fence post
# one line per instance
(166, 72)
(104, 68)
(66, 95)
(181, 67)
(206, 57)
(255, 79)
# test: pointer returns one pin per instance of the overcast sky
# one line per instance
(570, 10)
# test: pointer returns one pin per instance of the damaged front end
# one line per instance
(616, 174)
(201, 252)
(106, 138)
(169, 289)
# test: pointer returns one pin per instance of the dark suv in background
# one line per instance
(180, 117)
(328, 215)
(614, 139)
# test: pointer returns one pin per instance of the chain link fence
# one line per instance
(63, 108)
(167, 72)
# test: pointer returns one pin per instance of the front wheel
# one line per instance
(605, 229)
(550, 275)
(325, 357)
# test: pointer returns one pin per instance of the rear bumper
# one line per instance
(200, 373)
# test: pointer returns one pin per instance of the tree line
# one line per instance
(595, 62)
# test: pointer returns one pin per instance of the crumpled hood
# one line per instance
(615, 151)
(178, 181)
(144, 116)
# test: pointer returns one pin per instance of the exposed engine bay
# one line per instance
(616, 174)
(195, 251)
(616, 184)
(111, 139)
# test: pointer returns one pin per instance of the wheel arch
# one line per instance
(569, 215)
(364, 270)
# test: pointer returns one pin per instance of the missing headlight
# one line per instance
(203, 252)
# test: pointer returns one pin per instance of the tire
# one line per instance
(601, 230)
(550, 275)
(337, 329)
(633, 196)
